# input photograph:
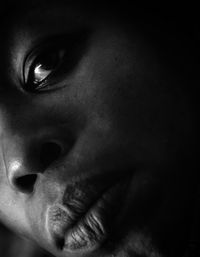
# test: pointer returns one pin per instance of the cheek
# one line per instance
(13, 207)
(155, 120)
(12, 211)
(130, 92)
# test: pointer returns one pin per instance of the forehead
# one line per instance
(33, 12)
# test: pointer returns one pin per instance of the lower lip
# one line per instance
(93, 229)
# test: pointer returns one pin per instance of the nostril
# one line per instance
(49, 153)
(26, 183)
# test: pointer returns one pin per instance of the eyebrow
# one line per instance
(31, 5)
(13, 8)
(10, 9)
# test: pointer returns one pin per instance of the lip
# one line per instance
(88, 209)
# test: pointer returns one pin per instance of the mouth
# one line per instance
(89, 208)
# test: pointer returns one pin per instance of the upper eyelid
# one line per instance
(34, 54)
(61, 40)
(29, 61)
(32, 63)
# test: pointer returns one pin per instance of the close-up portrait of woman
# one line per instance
(98, 130)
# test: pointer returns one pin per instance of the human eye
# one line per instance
(42, 68)
(46, 65)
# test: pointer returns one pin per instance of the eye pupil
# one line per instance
(40, 73)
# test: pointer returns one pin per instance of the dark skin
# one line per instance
(89, 100)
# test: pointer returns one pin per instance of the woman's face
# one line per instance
(96, 135)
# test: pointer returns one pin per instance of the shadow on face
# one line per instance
(97, 130)
(12, 245)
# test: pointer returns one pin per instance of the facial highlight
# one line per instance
(97, 133)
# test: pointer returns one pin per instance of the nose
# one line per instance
(26, 158)
(34, 135)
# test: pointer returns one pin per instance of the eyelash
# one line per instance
(37, 61)
(67, 49)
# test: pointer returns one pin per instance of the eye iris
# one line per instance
(40, 73)
(45, 65)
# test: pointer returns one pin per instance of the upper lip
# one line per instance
(79, 196)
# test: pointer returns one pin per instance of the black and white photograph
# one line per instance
(98, 129)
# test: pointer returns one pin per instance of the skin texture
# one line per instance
(115, 106)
